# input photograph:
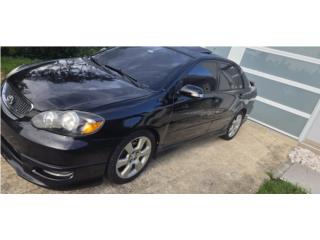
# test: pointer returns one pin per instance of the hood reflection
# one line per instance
(70, 83)
(68, 70)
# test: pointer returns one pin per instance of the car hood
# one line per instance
(71, 84)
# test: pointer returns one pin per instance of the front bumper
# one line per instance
(39, 173)
(50, 160)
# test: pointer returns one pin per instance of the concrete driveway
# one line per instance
(209, 165)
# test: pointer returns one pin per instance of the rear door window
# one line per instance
(229, 77)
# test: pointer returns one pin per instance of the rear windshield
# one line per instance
(148, 65)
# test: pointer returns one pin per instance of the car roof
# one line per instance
(193, 52)
(199, 53)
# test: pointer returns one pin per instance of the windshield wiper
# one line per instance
(95, 61)
(120, 72)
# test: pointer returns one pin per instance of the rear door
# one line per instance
(229, 92)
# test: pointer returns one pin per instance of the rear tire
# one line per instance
(131, 157)
(234, 126)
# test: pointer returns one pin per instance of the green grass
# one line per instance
(9, 63)
(278, 186)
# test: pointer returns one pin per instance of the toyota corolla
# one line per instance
(69, 121)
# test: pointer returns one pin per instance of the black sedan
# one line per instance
(70, 121)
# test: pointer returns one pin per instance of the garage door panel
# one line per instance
(288, 68)
(297, 98)
(278, 118)
(305, 51)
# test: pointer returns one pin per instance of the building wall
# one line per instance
(288, 82)
(314, 133)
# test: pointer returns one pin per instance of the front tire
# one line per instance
(131, 157)
(234, 127)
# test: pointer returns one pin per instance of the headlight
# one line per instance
(74, 123)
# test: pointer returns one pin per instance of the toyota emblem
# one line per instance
(10, 99)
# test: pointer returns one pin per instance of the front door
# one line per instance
(191, 116)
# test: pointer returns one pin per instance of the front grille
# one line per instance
(17, 104)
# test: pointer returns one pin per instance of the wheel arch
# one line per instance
(154, 132)
(243, 111)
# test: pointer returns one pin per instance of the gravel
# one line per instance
(305, 157)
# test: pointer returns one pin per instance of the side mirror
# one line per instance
(190, 90)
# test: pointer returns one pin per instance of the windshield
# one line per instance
(148, 65)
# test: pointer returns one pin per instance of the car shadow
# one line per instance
(194, 143)
(160, 157)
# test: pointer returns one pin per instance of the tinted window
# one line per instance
(203, 75)
(230, 77)
(149, 65)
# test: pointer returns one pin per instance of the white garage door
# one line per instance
(288, 82)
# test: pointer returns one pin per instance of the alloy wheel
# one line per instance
(236, 123)
(133, 157)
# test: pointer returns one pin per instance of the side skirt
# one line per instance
(162, 148)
